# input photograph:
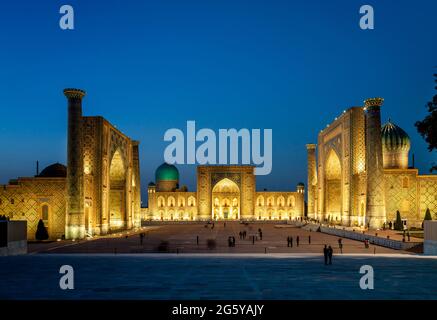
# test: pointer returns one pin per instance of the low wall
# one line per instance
(430, 238)
(383, 242)
(13, 238)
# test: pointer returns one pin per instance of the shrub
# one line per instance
(41, 231)
(427, 215)
(398, 223)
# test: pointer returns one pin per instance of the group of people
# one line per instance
(212, 225)
(242, 234)
(231, 241)
(290, 241)
(327, 253)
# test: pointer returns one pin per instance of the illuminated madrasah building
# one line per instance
(99, 190)
(223, 193)
(358, 174)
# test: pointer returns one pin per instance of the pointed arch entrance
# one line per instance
(226, 200)
(117, 192)
(333, 187)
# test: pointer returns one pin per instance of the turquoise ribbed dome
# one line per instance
(394, 138)
(166, 172)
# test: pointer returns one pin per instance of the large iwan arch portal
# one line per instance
(226, 200)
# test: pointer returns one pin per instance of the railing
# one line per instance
(383, 242)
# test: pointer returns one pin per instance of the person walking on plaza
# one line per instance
(141, 238)
(197, 240)
(330, 252)
(291, 242)
(260, 235)
(253, 239)
(325, 254)
(297, 241)
(340, 244)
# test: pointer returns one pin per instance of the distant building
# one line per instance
(361, 176)
(223, 193)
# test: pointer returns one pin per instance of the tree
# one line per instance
(427, 215)
(399, 225)
(428, 126)
(41, 231)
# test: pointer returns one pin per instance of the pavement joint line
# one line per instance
(244, 255)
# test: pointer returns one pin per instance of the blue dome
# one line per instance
(394, 138)
(55, 170)
(166, 172)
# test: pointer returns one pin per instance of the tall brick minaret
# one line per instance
(312, 180)
(75, 218)
(375, 211)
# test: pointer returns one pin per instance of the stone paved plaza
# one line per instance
(182, 238)
(170, 276)
(119, 267)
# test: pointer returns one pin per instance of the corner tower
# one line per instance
(312, 180)
(75, 218)
(375, 213)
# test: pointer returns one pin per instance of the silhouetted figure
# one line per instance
(340, 244)
(229, 242)
(240, 234)
(233, 241)
(261, 235)
(297, 241)
(197, 240)
(291, 242)
(390, 224)
(325, 254)
(253, 239)
(288, 241)
(141, 238)
(330, 252)
(224, 225)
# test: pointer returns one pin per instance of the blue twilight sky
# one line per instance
(148, 66)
